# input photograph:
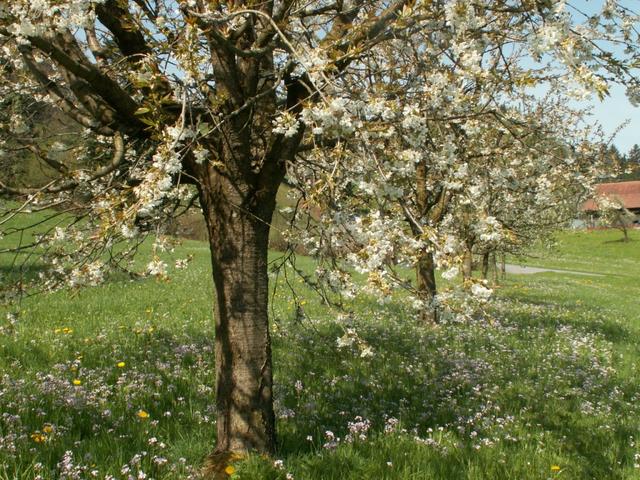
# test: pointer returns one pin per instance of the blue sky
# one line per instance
(613, 111)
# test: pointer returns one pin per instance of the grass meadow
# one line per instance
(115, 381)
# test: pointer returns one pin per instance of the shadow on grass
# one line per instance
(561, 313)
(466, 380)
(19, 272)
(620, 240)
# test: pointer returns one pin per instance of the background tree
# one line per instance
(613, 212)
(421, 167)
(633, 155)
(631, 164)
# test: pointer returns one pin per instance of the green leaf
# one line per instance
(204, 128)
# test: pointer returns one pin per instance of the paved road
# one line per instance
(524, 270)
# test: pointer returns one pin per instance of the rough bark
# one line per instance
(485, 265)
(426, 284)
(238, 218)
(467, 265)
(426, 267)
(494, 266)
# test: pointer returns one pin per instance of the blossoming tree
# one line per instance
(613, 212)
(450, 150)
(179, 101)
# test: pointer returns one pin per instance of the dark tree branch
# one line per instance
(127, 36)
(69, 108)
(100, 84)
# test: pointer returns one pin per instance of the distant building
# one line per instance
(625, 193)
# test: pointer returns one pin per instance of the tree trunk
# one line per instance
(494, 265)
(485, 265)
(624, 229)
(238, 220)
(467, 265)
(426, 267)
(426, 284)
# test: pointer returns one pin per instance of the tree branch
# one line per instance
(102, 85)
(51, 187)
(69, 108)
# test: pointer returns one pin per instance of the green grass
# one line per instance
(598, 251)
(614, 293)
(549, 378)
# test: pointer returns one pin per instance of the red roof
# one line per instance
(626, 192)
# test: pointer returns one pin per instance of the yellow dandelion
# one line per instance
(555, 468)
(120, 364)
(142, 414)
(77, 382)
(47, 428)
(230, 470)
(38, 437)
